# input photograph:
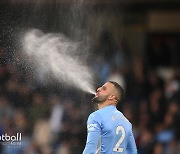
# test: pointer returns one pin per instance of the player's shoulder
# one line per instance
(94, 118)
(127, 120)
(120, 116)
(95, 115)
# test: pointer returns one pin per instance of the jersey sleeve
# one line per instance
(131, 145)
(94, 131)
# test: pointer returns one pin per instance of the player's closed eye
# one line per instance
(104, 88)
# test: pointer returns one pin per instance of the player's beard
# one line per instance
(99, 99)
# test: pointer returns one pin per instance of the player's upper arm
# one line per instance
(131, 145)
(94, 131)
(94, 123)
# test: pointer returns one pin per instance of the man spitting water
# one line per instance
(109, 132)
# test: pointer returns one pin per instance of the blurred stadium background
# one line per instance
(135, 42)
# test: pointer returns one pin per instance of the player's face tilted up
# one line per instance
(106, 94)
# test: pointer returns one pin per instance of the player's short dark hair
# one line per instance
(119, 89)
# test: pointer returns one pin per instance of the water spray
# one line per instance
(59, 56)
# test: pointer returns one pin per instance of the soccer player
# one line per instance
(109, 132)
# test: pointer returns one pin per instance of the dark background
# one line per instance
(133, 42)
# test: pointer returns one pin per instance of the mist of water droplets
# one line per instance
(61, 57)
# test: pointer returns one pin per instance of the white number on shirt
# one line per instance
(117, 147)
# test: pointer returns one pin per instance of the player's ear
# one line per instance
(112, 96)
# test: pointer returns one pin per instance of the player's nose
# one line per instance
(98, 90)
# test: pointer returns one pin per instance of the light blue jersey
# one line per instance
(109, 132)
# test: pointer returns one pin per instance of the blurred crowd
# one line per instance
(52, 123)
(49, 123)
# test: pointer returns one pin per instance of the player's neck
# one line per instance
(104, 104)
(100, 106)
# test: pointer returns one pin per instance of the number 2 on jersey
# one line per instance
(117, 147)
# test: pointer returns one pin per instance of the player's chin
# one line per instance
(95, 99)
